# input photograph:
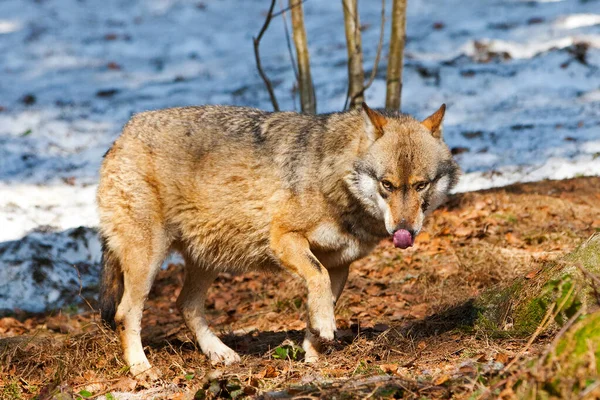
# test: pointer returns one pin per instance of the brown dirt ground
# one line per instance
(401, 317)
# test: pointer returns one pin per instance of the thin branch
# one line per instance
(287, 37)
(256, 41)
(283, 10)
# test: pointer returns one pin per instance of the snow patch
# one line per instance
(47, 270)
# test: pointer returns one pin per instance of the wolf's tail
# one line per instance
(111, 285)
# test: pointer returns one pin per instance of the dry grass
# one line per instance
(402, 317)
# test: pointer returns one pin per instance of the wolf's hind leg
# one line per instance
(191, 304)
(141, 258)
(311, 344)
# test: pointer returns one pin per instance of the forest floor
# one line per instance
(403, 319)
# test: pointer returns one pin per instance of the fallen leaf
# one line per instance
(125, 384)
(463, 231)
(532, 274)
(502, 358)
(268, 372)
(440, 380)
(512, 239)
(389, 368)
(423, 237)
(467, 369)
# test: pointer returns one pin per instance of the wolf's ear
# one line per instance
(374, 122)
(434, 122)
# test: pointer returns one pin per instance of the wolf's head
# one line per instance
(404, 171)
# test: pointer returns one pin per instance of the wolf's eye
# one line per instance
(421, 186)
(387, 185)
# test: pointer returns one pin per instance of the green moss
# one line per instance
(587, 254)
(492, 308)
(11, 390)
(518, 310)
(579, 340)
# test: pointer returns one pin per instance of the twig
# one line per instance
(256, 41)
(588, 390)
(81, 288)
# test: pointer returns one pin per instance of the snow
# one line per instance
(523, 96)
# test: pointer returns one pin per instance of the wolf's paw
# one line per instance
(324, 329)
(311, 349)
(223, 355)
(145, 372)
(228, 357)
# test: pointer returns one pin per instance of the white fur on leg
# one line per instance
(311, 347)
(216, 350)
(128, 317)
(321, 310)
(191, 303)
(144, 372)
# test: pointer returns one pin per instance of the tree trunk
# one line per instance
(356, 74)
(394, 70)
(307, 92)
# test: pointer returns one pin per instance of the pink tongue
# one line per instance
(403, 239)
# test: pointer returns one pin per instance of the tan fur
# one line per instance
(239, 189)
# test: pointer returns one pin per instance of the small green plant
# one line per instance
(363, 368)
(85, 394)
(288, 352)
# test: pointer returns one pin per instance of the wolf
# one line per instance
(237, 189)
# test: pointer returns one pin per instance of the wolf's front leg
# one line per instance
(312, 344)
(294, 253)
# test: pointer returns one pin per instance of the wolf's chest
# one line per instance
(335, 247)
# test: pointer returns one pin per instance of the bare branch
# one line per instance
(395, 59)
(256, 41)
(356, 74)
(287, 37)
(307, 92)
(375, 64)
(379, 47)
